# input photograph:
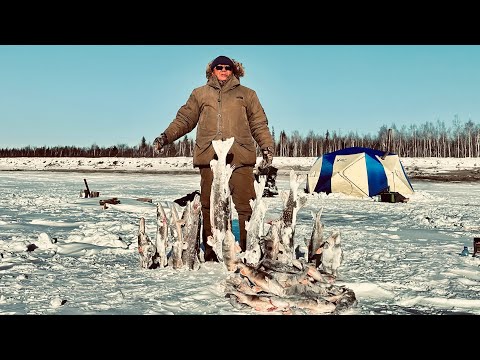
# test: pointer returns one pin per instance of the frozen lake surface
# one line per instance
(400, 258)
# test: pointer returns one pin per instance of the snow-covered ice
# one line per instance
(400, 258)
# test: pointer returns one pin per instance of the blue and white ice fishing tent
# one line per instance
(358, 171)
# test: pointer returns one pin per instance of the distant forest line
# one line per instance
(426, 140)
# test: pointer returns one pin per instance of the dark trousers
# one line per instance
(242, 190)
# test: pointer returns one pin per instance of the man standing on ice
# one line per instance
(221, 109)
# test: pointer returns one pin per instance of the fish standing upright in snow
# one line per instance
(146, 249)
(332, 254)
(220, 208)
(221, 109)
(175, 259)
(255, 226)
(221, 205)
(229, 250)
(192, 234)
(271, 243)
(316, 240)
(162, 236)
(292, 203)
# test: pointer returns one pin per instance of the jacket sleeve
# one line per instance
(259, 123)
(185, 121)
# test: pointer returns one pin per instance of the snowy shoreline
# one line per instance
(439, 169)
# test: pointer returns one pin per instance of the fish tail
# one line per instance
(222, 147)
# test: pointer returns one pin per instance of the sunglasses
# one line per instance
(221, 67)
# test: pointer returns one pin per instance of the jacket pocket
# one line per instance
(244, 151)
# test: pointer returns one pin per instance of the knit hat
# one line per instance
(221, 60)
(238, 70)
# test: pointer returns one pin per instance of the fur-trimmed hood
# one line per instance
(238, 69)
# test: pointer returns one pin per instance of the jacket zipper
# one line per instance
(219, 114)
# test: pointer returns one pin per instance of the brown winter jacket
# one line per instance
(219, 113)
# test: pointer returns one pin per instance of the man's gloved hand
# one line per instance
(159, 143)
(267, 155)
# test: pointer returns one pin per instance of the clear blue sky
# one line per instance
(79, 95)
